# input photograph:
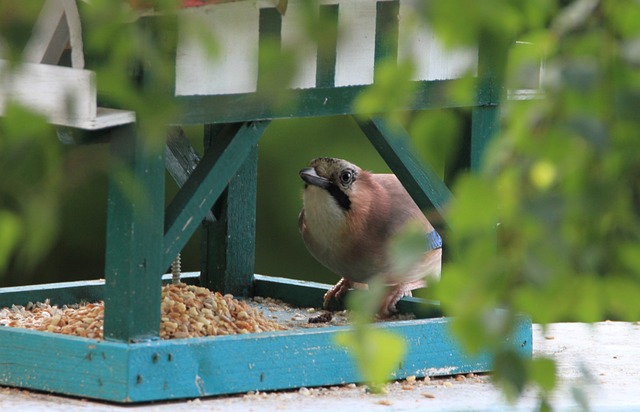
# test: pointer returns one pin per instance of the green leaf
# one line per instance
(510, 373)
(544, 373)
(407, 247)
(377, 353)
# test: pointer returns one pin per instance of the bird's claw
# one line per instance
(398, 292)
(337, 291)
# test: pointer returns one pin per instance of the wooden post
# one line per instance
(135, 216)
(485, 116)
(228, 246)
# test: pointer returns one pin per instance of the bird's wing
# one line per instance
(405, 208)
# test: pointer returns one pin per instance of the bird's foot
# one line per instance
(337, 291)
(397, 293)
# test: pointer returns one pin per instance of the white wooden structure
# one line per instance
(235, 27)
(66, 96)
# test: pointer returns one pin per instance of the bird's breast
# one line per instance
(324, 219)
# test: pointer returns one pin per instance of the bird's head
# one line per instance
(336, 176)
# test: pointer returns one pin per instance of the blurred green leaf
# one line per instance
(436, 137)
(407, 247)
(392, 90)
(377, 353)
(544, 373)
(30, 188)
(510, 373)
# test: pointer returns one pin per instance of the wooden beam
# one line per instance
(315, 102)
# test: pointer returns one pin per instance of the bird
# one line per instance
(348, 221)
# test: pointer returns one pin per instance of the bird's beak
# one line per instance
(310, 177)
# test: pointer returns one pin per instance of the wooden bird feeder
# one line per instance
(132, 364)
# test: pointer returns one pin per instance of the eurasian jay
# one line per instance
(348, 221)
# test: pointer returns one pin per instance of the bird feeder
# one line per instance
(131, 363)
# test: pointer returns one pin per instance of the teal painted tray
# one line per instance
(197, 367)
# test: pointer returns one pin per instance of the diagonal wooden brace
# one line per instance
(421, 181)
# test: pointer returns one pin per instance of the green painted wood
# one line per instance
(64, 364)
(69, 293)
(181, 158)
(327, 46)
(394, 145)
(64, 293)
(485, 116)
(188, 368)
(485, 124)
(205, 185)
(387, 26)
(228, 245)
(135, 213)
(310, 294)
(283, 360)
(312, 102)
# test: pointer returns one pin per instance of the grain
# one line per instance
(187, 311)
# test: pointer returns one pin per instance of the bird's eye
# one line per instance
(346, 177)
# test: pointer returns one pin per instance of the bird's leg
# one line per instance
(337, 291)
(396, 293)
